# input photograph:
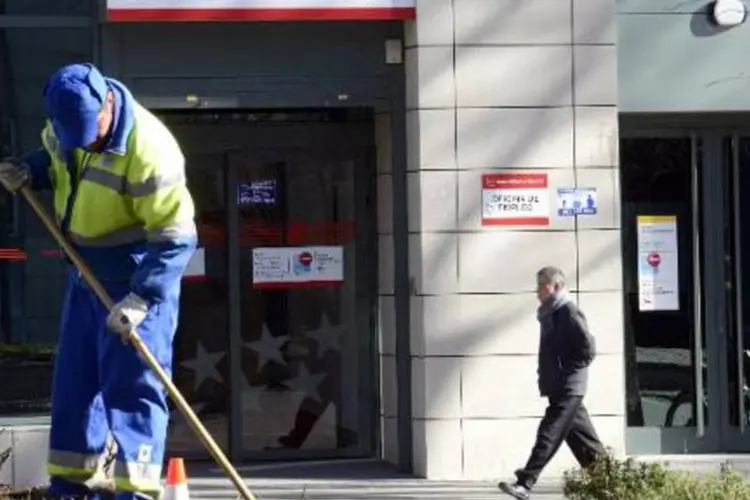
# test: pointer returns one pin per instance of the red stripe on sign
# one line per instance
(296, 286)
(517, 221)
(52, 253)
(12, 254)
(514, 181)
(182, 15)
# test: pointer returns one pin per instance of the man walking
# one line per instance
(566, 349)
(120, 197)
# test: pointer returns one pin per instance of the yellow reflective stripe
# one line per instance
(121, 185)
(75, 461)
(123, 236)
(154, 184)
(104, 178)
(78, 476)
(138, 477)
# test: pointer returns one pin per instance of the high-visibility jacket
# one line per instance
(127, 210)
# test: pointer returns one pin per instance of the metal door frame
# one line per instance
(734, 439)
(715, 435)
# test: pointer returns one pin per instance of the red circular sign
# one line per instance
(653, 259)
(305, 258)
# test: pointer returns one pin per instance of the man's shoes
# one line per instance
(516, 490)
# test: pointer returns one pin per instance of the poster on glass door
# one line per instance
(297, 267)
(658, 271)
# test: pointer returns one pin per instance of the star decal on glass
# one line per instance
(327, 336)
(204, 365)
(268, 348)
(306, 383)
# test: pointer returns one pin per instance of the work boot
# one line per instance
(517, 491)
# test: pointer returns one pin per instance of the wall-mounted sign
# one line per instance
(576, 201)
(259, 10)
(658, 273)
(515, 199)
(297, 267)
(256, 193)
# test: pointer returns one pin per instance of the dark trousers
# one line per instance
(566, 419)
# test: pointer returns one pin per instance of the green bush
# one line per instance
(613, 479)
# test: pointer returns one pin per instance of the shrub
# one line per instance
(613, 479)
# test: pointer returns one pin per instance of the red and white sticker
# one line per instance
(297, 267)
(259, 10)
(515, 199)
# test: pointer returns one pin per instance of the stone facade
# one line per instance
(504, 86)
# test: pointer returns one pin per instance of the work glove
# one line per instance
(126, 315)
(13, 176)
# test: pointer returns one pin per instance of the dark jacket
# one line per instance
(566, 349)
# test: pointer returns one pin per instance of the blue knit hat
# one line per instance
(74, 97)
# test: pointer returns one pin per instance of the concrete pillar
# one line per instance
(506, 86)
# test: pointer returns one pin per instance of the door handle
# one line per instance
(697, 294)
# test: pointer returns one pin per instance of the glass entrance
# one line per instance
(736, 349)
(686, 229)
(277, 338)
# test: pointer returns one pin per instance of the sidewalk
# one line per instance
(347, 480)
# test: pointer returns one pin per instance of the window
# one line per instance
(31, 272)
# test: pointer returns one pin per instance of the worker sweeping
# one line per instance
(120, 197)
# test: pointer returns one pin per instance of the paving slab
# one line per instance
(346, 480)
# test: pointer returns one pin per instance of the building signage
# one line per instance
(515, 199)
(259, 10)
(576, 201)
(297, 267)
(658, 276)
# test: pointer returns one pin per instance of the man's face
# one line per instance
(104, 123)
(544, 291)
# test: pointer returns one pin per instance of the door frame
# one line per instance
(709, 168)
(366, 319)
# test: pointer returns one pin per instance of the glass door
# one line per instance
(201, 362)
(306, 278)
(669, 316)
(736, 348)
(276, 348)
(688, 359)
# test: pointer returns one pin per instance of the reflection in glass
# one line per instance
(201, 363)
(657, 180)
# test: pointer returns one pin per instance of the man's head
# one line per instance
(550, 281)
(80, 106)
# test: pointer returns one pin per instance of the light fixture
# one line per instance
(729, 13)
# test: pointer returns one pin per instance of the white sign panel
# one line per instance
(196, 267)
(515, 199)
(259, 10)
(291, 267)
(658, 266)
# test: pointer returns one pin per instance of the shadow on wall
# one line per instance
(702, 22)
(473, 334)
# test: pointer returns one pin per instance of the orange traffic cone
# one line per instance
(177, 486)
